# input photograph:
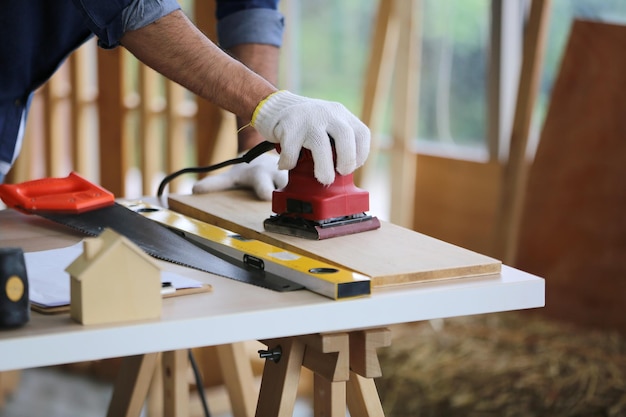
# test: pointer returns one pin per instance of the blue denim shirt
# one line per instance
(43, 33)
(249, 21)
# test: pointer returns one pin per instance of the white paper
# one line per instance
(49, 284)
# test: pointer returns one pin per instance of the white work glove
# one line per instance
(296, 122)
(261, 174)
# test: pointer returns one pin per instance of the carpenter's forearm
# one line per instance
(264, 60)
(174, 47)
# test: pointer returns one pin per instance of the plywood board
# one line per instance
(573, 229)
(456, 201)
(390, 255)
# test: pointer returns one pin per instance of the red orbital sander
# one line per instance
(308, 209)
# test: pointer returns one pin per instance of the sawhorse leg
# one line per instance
(344, 365)
(9, 381)
(238, 378)
(171, 386)
(175, 384)
(131, 385)
(134, 378)
(279, 385)
(363, 399)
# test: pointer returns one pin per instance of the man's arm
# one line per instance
(174, 47)
(264, 60)
(252, 32)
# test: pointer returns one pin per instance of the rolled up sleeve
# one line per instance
(143, 12)
(254, 21)
(110, 19)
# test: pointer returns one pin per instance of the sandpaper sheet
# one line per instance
(390, 255)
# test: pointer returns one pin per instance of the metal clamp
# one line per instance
(271, 354)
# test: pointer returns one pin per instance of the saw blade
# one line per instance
(162, 243)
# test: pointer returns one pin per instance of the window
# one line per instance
(328, 44)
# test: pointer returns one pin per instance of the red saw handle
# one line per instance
(72, 194)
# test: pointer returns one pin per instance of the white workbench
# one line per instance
(235, 312)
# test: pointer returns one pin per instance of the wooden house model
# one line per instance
(113, 280)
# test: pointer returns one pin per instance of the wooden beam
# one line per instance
(83, 96)
(111, 120)
(151, 110)
(516, 168)
(405, 106)
(216, 138)
(378, 78)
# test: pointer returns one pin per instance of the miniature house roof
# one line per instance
(96, 251)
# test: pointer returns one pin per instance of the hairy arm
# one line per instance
(174, 47)
(263, 60)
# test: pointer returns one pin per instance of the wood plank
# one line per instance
(390, 255)
(573, 228)
(456, 200)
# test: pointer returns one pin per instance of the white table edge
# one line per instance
(301, 314)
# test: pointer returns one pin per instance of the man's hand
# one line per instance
(261, 174)
(296, 122)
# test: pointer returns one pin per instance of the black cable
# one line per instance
(199, 383)
(258, 150)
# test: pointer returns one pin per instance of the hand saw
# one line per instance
(81, 205)
(330, 280)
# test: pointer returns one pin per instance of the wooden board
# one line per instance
(390, 255)
(456, 201)
(573, 229)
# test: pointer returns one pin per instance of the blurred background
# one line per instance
(438, 81)
(118, 123)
